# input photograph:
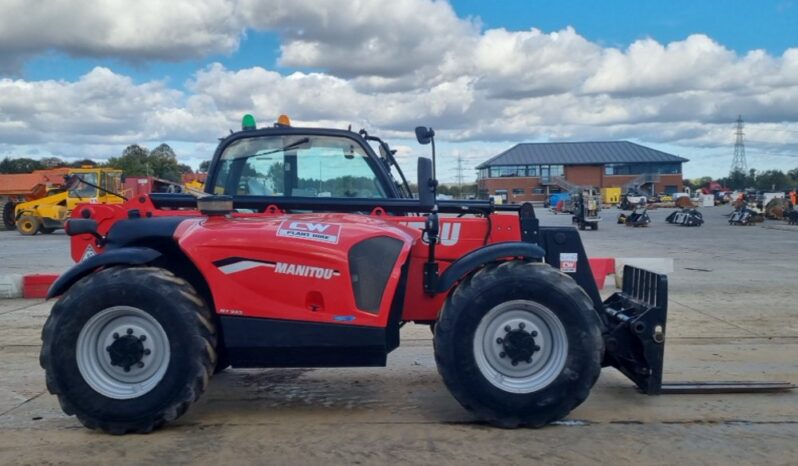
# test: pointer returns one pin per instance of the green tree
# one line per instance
(793, 174)
(52, 162)
(133, 162)
(164, 163)
(772, 180)
(20, 165)
(736, 180)
(204, 166)
(160, 163)
(83, 162)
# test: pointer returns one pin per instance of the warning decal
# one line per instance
(568, 262)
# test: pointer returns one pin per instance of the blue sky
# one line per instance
(672, 75)
(739, 25)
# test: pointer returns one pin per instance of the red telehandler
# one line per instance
(307, 252)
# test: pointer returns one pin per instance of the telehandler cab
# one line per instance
(306, 252)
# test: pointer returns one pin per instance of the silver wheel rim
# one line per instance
(532, 324)
(129, 327)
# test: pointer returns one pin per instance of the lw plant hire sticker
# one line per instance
(568, 262)
(323, 232)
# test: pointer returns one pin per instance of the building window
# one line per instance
(531, 170)
(518, 191)
(537, 191)
(671, 189)
(641, 168)
(552, 170)
(613, 169)
(507, 170)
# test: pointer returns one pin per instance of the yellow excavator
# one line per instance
(88, 184)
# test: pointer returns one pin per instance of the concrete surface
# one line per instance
(733, 316)
(34, 254)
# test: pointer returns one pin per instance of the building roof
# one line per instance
(579, 153)
(25, 183)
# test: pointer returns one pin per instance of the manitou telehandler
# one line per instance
(306, 252)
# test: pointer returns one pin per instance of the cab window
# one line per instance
(83, 190)
(298, 166)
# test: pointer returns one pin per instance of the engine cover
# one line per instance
(326, 268)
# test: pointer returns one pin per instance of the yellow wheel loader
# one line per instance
(84, 185)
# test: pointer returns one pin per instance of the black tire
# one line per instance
(184, 318)
(489, 288)
(594, 226)
(47, 231)
(28, 225)
(581, 225)
(222, 359)
(7, 216)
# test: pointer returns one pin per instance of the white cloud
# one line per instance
(361, 37)
(133, 30)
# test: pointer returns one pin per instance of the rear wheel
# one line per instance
(519, 344)
(7, 216)
(28, 225)
(128, 349)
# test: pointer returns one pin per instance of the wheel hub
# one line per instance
(123, 352)
(518, 344)
(128, 350)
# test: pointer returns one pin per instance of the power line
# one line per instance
(459, 170)
(739, 164)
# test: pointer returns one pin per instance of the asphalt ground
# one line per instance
(733, 316)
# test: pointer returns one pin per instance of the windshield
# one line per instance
(112, 182)
(297, 166)
(83, 190)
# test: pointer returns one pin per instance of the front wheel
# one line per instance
(28, 225)
(519, 344)
(128, 349)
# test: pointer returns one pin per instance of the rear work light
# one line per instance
(215, 205)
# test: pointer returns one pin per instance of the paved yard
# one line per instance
(733, 315)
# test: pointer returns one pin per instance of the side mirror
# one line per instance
(424, 135)
(426, 183)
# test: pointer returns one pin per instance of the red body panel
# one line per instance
(301, 277)
(256, 288)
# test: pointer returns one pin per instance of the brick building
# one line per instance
(531, 171)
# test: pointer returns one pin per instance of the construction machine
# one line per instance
(307, 251)
(92, 185)
(586, 208)
(22, 187)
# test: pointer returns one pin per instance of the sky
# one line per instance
(82, 78)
